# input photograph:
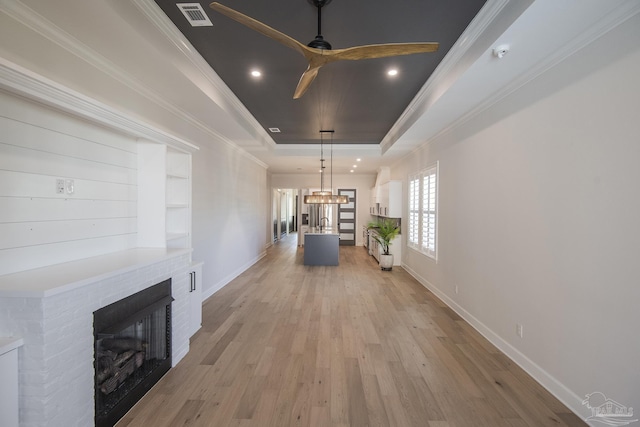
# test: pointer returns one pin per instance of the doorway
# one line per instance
(347, 218)
(284, 213)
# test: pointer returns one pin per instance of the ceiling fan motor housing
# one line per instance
(319, 43)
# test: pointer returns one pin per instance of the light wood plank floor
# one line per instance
(289, 345)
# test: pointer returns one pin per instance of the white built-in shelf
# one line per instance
(178, 199)
(175, 236)
(176, 176)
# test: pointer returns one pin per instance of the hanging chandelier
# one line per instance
(322, 196)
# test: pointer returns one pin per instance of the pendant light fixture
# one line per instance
(322, 196)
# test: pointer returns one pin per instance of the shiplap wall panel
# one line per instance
(39, 116)
(25, 209)
(20, 234)
(45, 163)
(24, 184)
(30, 257)
(37, 138)
(40, 227)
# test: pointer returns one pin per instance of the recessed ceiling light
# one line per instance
(355, 166)
(392, 72)
(351, 171)
(256, 73)
(357, 160)
(274, 130)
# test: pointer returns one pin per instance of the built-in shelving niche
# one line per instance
(164, 196)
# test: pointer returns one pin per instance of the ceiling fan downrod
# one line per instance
(319, 42)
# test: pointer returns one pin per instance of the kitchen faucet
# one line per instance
(327, 221)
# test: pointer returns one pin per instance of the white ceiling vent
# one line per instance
(195, 14)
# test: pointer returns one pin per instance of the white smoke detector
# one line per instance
(500, 51)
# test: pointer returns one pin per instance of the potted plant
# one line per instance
(387, 230)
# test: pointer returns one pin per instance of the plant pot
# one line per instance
(386, 262)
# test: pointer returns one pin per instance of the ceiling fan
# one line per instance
(318, 52)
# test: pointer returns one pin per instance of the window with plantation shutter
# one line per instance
(414, 212)
(423, 213)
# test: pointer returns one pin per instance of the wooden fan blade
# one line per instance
(261, 28)
(305, 81)
(381, 50)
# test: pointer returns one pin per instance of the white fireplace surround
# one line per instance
(51, 309)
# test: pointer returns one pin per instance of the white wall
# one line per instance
(229, 211)
(538, 222)
(362, 184)
(40, 227)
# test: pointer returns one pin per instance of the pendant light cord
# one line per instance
(331, 146)
(321, 163)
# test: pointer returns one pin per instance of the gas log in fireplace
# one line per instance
(132, 350)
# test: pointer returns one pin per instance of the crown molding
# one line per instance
(626, 10)
(64, 98)
(162, 23)
(463, 53)
(18, 80)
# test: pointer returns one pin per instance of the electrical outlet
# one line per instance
(519, 330)
(60, 186)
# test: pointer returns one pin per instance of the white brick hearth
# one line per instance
(52, 309)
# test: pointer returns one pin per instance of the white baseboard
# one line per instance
(555, 387)
(228, 278)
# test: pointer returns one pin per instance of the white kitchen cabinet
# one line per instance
(195, 297)
(375, 248)
(373, 201)
(390, 199)
(365, 236)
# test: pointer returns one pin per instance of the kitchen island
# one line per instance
(321, 247)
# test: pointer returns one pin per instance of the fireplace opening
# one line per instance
(132, 340)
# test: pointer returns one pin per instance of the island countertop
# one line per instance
(318, 230)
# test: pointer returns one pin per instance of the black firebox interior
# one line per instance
(132, 350)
